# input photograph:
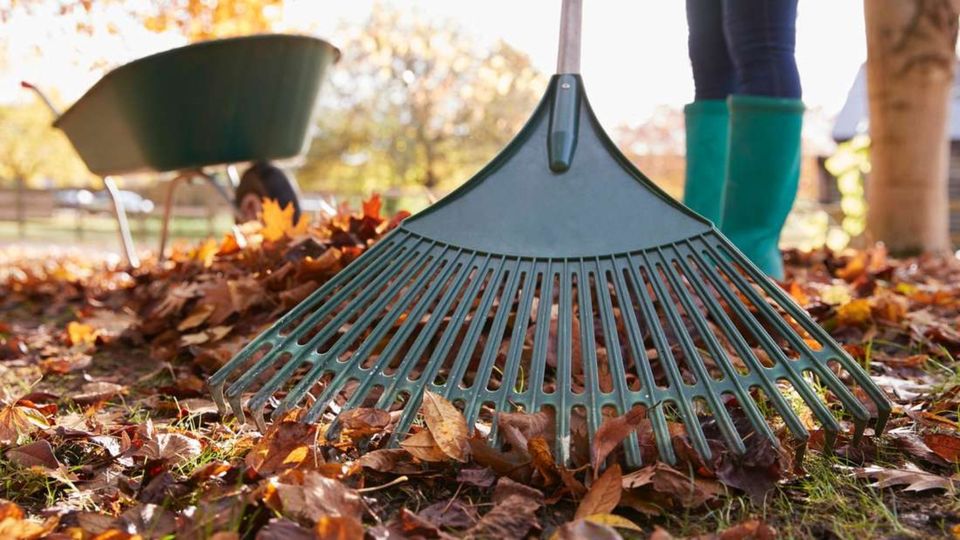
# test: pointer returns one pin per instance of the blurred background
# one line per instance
(426, 92)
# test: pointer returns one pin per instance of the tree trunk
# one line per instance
(910, 68)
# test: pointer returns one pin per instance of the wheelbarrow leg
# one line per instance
(167, 207)
(126, 240)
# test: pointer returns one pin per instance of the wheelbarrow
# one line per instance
(220, 102)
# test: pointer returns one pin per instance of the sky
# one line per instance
(634, 52)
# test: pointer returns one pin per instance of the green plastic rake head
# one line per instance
(558, 277)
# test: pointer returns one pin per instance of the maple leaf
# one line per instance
(278, 222)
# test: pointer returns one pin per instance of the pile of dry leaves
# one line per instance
(106, 429)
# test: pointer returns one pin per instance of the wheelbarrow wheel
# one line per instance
(264, 180)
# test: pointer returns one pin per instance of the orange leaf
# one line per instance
(604, 494)
(423, 446)
(81, 334)
(338, 528)
(276, 221)
(944, 445)
(371, 207)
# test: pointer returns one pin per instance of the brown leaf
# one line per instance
(511, 518)
(581, 529)
(284, 529)
(319, 496)
(749, 530)
(604, 494)
(423, 446)
(286, 445)
(389, 460)
(198, 316)
(35, 454)
(612, 432)
(364, 421)
(910, 476)
(662, 483)
(98, 391)
(338, 528)
(507, 488)
(447, 425)
(175, 447)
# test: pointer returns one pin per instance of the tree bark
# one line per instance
(910, 70)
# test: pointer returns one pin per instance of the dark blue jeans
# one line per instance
(743, 47)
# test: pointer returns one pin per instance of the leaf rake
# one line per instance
(560, 278)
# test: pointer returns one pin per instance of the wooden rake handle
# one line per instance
(568, 56)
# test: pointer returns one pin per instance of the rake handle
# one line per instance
(568, 55)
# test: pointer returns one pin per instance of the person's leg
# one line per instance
(706, 118)
(766, 115)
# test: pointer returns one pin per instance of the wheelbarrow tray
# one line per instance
(221, 101)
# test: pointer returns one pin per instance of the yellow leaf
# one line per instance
(613, 520)
(81, 334)
(447, 425)
(206, 252)
(277, 222)
(854, 313)
(17, 420)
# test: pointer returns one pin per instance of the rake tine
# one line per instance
(494, 339)
(386, 355)
(564, 365)
(723, 359)
(512, 363)
(851, 403)
(238, 386)
(724, 422)
(411, 358)
(409, 413)
(320, 367)
(766, 384)
(648, 386)
(659, 265)
(787, 372)
(588, 348)
(677, 386)
(414, 288)
(614, 356)
(860, 376)
(541, 336)
(217, 380)
(469, 342)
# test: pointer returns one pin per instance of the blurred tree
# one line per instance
(911, 61)
(32, 152)
(414, 101)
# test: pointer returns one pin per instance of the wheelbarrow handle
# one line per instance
(46, 100)
(568, 56)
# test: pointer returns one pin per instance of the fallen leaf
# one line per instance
(582, 529)
(286, 445)
(98, 391)
(749, 530)
(447, 425)
(910, 476)
(19, 420)
(661, 483)
(81, 334)
(319, 496)
(423, 446)
(511, 518)
(35, 454)
(338, 528)
(604, 494)
(944, 445)
(612, 432)
(196, 317)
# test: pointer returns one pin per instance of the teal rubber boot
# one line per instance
(763, 171)
(707, 126)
